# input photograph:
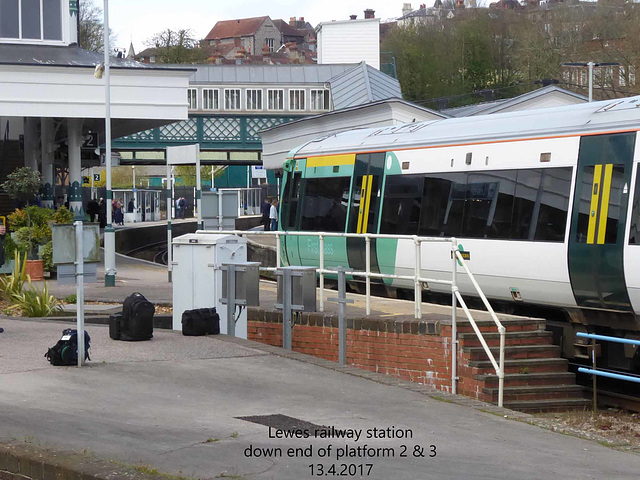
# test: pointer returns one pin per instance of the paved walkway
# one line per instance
(175, 403)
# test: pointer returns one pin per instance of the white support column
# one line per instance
(31, 143)
(47, 151)
(109, 231)
(75, 141)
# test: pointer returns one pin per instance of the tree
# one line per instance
(176, 46)
(22, 184)
(91, 28)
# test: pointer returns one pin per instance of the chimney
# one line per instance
(240, 54)
(369, 13)
(292, 21)
(266, 55)
(293, 51)
(302, 20)
(406, 9)
(353, 17)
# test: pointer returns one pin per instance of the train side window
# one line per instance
(489, 204)
(324, 208)
(527, 190)
(402, 204)
(293, 198)
(443, 204)
(551, 218)
(634, 234)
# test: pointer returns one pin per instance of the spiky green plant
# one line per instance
(33, 302)
(14, 283)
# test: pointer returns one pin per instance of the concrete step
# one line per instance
(511, 325)
(532, 337)
(528, 365)
(537, 392)
(528, 379)
(553, 405)
(514, 352)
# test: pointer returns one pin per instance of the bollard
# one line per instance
(342, 300)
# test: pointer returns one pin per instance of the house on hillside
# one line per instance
(249, 34)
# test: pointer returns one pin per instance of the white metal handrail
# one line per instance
(417, 280)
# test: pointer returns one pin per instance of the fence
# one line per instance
(249, 200)
(417, 279)
(605, 373)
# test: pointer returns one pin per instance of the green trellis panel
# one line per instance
(230, 132)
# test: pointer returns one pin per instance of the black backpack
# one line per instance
(65, 352)
(137, 318)
(200, 321)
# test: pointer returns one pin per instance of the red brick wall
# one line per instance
(404, 350)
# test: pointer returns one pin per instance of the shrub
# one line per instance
(14, 283)
(62, 215)
(34, 302)
(46, 254)
(71, 298)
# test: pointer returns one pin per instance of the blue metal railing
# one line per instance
(601, 373)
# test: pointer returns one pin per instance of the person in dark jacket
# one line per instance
(130, 207)
(93, 209)
(266, 208)
(103, 213)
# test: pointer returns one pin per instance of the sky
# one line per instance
(139, 20)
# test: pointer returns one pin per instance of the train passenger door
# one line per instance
(289, 217)
(364, 208)
(598, 221)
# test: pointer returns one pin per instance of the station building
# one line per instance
(51, 104)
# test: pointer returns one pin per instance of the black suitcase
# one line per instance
(115, 324)
(137, 319)
(201, 321)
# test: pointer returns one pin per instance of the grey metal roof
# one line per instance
(362, 84)
(243, 74)
(607, 115)
(363, 108)
(487, 108)
(21, 54)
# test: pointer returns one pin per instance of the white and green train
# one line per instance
(547, 202)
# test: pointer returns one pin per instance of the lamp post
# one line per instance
(109, 232)
(590, 65)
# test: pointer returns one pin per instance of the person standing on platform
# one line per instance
(102, 215)
(273, 214)
(183, 205)
(266, 209)
(93, 209)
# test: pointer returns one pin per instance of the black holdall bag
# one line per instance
(201, 321)
(115, 325)
(65, 352)
(136, 323)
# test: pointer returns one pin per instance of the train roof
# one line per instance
(588, 118)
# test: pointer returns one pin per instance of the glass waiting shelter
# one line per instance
(145, 207)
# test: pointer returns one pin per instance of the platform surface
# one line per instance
(174, 403)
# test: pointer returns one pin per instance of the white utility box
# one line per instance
(197, 275)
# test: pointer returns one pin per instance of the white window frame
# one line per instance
(251, 96)
(632, 75)
(192, 98)
(215, 99)
(295, 95)
(64, 27)
(280, 94)
(270, 43)
(228, 106)
(324, 99)
(622, 79)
